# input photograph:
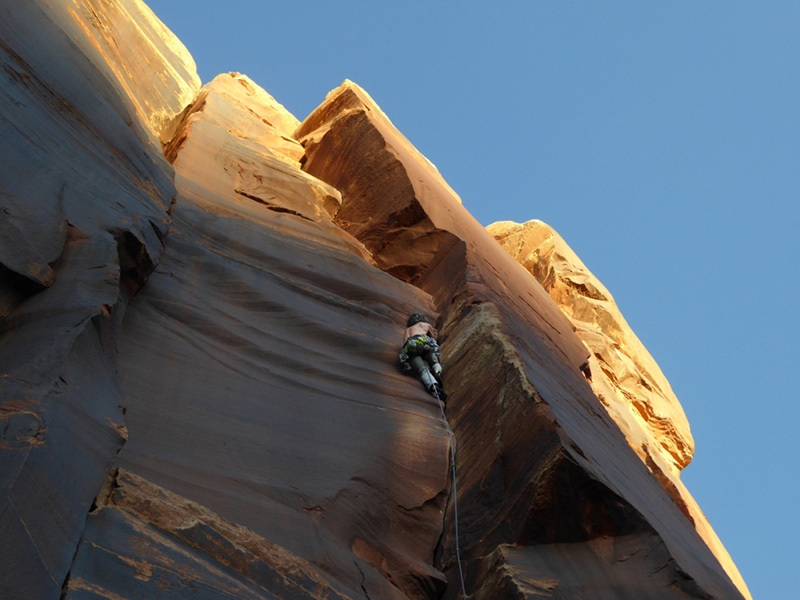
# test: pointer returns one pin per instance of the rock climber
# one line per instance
(420, 354)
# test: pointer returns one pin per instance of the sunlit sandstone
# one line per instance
(527, 430)
(623, 374)
(621, 371)
(201, 309)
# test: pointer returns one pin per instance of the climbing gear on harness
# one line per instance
(422, 343)
(419, 345)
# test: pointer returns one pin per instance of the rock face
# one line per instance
(623, 374)
(202, 304)
(621, 371)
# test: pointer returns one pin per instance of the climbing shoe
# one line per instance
(437, 391)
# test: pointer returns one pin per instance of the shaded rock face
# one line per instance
(85, 188)
(202, 304)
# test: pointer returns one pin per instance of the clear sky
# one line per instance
(659, 139)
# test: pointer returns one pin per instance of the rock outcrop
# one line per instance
(621, 371)
(623, 374)
(202, 303)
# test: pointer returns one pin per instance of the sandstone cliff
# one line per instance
(202, 302)
(621, 371)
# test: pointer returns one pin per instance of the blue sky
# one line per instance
(660, 140)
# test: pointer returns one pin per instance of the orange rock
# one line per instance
(216, 342)
(623, 374)
(258, 168)
(541, 462)
(259, 366)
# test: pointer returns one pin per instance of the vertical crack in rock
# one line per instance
(106, 492)
(363, 580)
(173, 147)
(543, 456)
(241, 429)
(255, 309)
(102, 499)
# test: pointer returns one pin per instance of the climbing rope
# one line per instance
(455, 491)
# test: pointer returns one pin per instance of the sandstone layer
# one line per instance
(202, 303)
(623, 374)
(542, 462)
(85, 191)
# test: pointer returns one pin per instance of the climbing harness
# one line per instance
(455, 491)
(418, 345)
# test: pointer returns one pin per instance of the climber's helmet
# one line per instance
(415, 318)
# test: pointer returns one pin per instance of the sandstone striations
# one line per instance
(202, 303)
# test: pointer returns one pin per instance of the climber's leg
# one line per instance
(421, 370)
(434, 365)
